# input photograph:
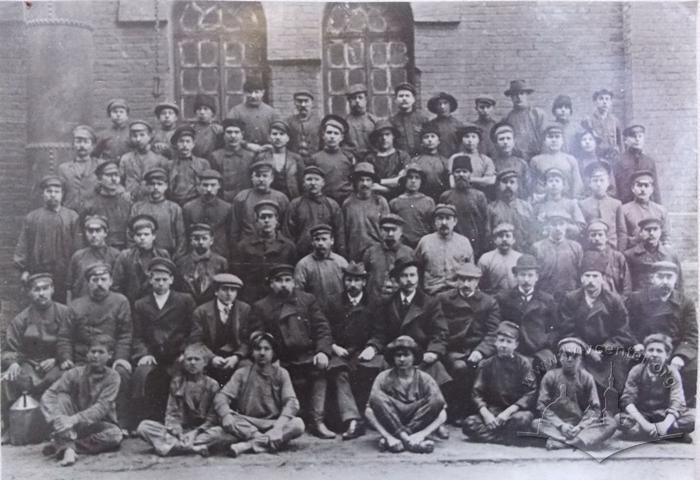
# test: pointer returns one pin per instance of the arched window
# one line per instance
(369, 43)
(217, 46)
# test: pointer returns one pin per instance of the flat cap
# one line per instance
(391, 219)
(182, 131)
(633, 129)
(558, 215)
(597, 225)
(269, 205)
(314, 170)
(87, 131)
(138, 222)
(553, 127)
(485, 99)
(355, 269)
(303, 93)
(356, 88)
(554, 172)
(500, 127)
(469, 128)
(161, 264)
(139, 124)
(156, 173)
(506, 174)
(50, 181)
(209, 174)
(232, 122)
(508, 329)
(444, 209)
(280, 125)
(163, 105)
(503, 227)
(640, 174)
(199, 227)
(645, 222)
(96, 220)
(99, 268)
(261, 164)
(468, 270)
(280, 269)
(336, 121)
(664, 266)
(525, 262)
(221, 279)
(319, 229)
(108, 166)
(36, 277)
(574, 342)
(117, 103)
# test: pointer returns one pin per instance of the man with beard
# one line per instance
(361, 211)
(599, 318)
(321, 272)
(442, 251)
(534, 311)
(243, 215)
(472, 318)
(617, 274)
(504, 392)
(78, 176)
(313, 208)
(335, 159)
(185, 167)
(527, 121)
(49, 236)
(408, 120)
(295, 318)
(304, 127)
(141, 159)
(379, 259)
(287, 164)
(210, 209)
(568, 403)
(255, 255)
(101, 311)
(497, 264)
(29, 355)
(470, 204)
(559, 257)
(663, 308)
(199, 265)
(233, 160)
(114, 141)
(80, 406)
(648, 251)
(360, 121)
(110, 200)
(255, 114)
(509, 208)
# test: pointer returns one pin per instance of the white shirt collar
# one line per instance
(408, 298)
(355, 300)
(161, 299)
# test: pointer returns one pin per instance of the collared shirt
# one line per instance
(355, 301)
(441, 256)
(407, 299)
(590, 299)
(224, 310)
(527, 296)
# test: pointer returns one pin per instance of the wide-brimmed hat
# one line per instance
(163, 105)
(379, 128)
(432, 103)
(518, 86)
(364, 169)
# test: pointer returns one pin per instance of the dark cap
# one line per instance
(99, 220)
(336, 121)
(444, 209)
(508, 329)
(253, 83)
(138, 222)
(202, 100)
(641, 173)
(99, 268)
(468, 270)
(562, 101)
(602, 91)
(469, 128)
(161, 264)
(461, 161)
(554, 172)
(163, 105)
(503, 227)
(314, 170)
(525, 262)
(593, 262)
(87, 129)
(356, 88)
(267, 205)
(391, 219)
(664, 266)
(199, 227)
(261, 164)
(117, 103)
(429, 128)
(403, 342)
(233, 122)
(50, 181)
(140, 125)
(182, 131)
(227, 279)
(321, 228)
(596, 225)
(303, 93)
(506, 174)
(156, 173)
(405, 86)
(355, 269)
(280, 269)
(35, 277)
(553, 127)
(280, 125)
(645, 222)
(518, 86)
(633, 129)
(210, 173)
(432, 103)
(485, 99)
(111, 165)
(363, 169)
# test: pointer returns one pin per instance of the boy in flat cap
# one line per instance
(255, 113)
(95, 229)
(413, 206)
(110, 200)
(243, 217)
(257, 409)
(407, 120)
(505, 158)
(405, 404)
(361, 211)
(162, 321)
(379, 259)
(296, 319)
(312, 208)
(335, 159)
(48, 238)
(209, 208)
(141, 159)
(484, 106)
(442, 251)
(167, 115)
(101, 311)
(321, 271)
(168, 214)
(233, 160)
(207, 129)
(642, 207)
(189, 415)
(497, 264)
(504, 392)
(222, 325)
(304, 127)
(431, 162)
(663, 308)
(255, 254)
(617, 275)
(562, 109)
(599, 318)
(559, 257)
(568, 403)
(555, 183)
(649, 250)
(603, 122)
(360, 122)
(200, 264)
(131, 267)
(483, 171)
(510, 208)
(185, 167)
(80, 406)
(113, 141)
(470, 204)
(527, 120)
(78, 175)
(535, 312)
(288, 165)
(443, 106)
(389, 162)
(552, 156)
(600, 205)
(632, 160)
(653, 400)
(29, 355)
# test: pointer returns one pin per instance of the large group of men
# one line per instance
(208, 285)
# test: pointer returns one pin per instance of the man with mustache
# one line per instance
(296, 319)
(663, 308)
(304, 127)
(209, 208)
(497, 264)
(510, 208)
(617, 274)
(185, 167)
(648, 251)
(254, 112)
(360, 122)
(408, 120)
(78, 176)
(101, 311)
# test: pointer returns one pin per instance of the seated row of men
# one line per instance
(457, 337)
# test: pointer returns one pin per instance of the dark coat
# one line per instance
(350, 326)
(222, 340)
(471, 322)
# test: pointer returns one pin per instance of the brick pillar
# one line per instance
(59, 81)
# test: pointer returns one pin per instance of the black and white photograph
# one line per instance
(348, 240)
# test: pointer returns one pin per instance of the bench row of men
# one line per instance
(431, 270)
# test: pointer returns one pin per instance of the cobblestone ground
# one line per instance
(310, 459)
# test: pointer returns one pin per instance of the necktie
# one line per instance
(225, 312)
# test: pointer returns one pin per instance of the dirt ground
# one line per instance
(310, 459)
